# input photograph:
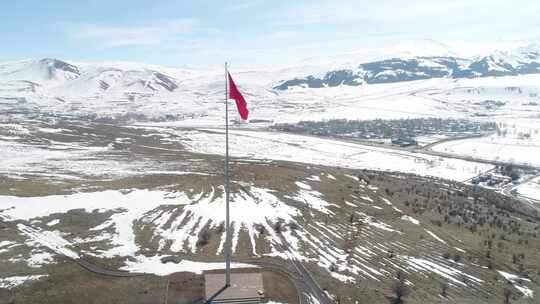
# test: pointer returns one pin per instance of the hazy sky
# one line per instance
(255, 32)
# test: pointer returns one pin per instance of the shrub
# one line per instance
(204, 238)
(278, 227)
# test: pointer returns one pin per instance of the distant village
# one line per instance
(402, 132)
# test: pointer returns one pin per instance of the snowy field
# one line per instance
(320, 151)
(195, 97)
(176, 219)
(500, 148)
(530, 190)
(198, 213)
(141, 227)
(131, 206)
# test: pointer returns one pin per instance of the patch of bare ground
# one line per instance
(69, 283)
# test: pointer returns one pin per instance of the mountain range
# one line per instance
(524, 60)
(121, 90)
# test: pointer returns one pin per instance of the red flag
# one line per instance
(235, 94)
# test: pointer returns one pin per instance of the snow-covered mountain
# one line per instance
(60, 76)
(525, 60)
(107, 81)
(45, 71)
(113, 90)
(94, 79)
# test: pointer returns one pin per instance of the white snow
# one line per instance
(38, 259)
(502, 148)
(303, 185)
(306, 149)
(518, 283)
(312, 198)
(195, 217)
(53, 222)
(58, 160)
(314, 178)
(350, 204)
(313, 299)
(530, 189)
(371, 221)
(445, 271)
(435, 236)
(135, 204)
(460, 250)
(50, 239)
(31, 207)
(195, 102)
(510, 277)
(367, 198)
(6, 243)
(410, 219)
(11, 282)
(527, 292)
(154, 265)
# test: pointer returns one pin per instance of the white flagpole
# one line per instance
(227, 223)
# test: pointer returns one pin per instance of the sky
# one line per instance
(256, 32)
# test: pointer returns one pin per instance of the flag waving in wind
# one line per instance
(235, 94)
(231, 92)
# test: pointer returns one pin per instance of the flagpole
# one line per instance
(227, 223)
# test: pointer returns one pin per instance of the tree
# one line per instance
(507, 295)
(444, 289)
(332, 267)
(203, 238)
(514, 175)
(221, 228)
(260, 228)
(399, 289)
(278, 227)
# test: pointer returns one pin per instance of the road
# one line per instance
(306, 286)
(509, 188)
(420, 150)
(106, 272)
(301, 278)
(426, 150)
